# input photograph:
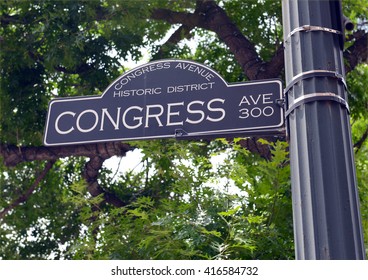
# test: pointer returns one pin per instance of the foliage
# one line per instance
(362, 172)
(183, 203)
(187, 218)
(358, 98)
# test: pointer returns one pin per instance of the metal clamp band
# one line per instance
(315, 73)
(314, 97)
(309, 28)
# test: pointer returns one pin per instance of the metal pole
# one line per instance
(326, 211)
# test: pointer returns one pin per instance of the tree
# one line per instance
(62, 202)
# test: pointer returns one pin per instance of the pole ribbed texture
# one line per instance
(326, 212)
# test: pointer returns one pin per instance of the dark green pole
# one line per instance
(326, 211)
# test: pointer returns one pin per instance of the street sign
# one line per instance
(163, 99)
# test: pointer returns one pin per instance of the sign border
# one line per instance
(256, 131)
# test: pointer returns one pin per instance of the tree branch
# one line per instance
(24, 197)
(359, 144)
(189, 19)
(181, 33)
(358, 52)
(273, 68)
(90, 174)
(208, 15)
(254, 146)
(14, 155)
(97, 153)
(217, 20)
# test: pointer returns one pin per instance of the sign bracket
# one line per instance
(180, 133)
